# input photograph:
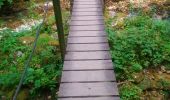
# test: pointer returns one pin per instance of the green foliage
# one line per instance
(2, 2)
(44, 70)
(142, 43)
(139, 43)
(130, 92)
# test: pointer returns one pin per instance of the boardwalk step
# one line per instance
(87, 6)
(87, 13)
(88, 76)
(88, 65)
(88, 10)
(87, 3)
(95, 55)
(87, 40)
(80, 23)
(87, 33)
(86, 18)
(88, 89)
(87, 47)
(91, 98)
(87, 28)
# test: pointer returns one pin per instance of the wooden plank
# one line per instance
(86, 6)
(88, 76)
(87, 0)
(88, 18)
(88, 9)
(87, 13)
(88, 89)
(88, 65)
(87, 3)
(95, 55)
(91, 98)
(87, 28)
(80, 23)
(87, 47)
(86, 40)
(87, 33)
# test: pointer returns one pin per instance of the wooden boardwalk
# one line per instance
(88, 70)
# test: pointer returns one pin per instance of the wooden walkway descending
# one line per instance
(88, 71)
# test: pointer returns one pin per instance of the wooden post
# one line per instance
(71, 6)
(59, 24)
(103, 4)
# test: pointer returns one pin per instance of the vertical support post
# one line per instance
(103, 4)
(59, 24)
(71, 5)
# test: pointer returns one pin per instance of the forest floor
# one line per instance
(17, 34)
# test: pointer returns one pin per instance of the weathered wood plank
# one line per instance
(91, 98)
(95, 55)
(87, 40)
(80, 23)
(88, 89)
(88, 9)
(87, 28)
(87, 33)
(87, 3)
(87, 13)
(88, 76)
(87, 0)
(88, 18)
(86, 6)
(87, 47)
(88, 65)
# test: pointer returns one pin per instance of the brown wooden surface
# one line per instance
(88, 72)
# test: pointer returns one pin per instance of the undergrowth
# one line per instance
(43, 73)
(140, 43)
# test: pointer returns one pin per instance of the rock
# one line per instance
(112, 14)
(160, 72)
(168, 72)
(145, 84)
(3, 97)
(19, 54)
(49, 97)
(163, 69)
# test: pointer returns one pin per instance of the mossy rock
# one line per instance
(145, 84)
